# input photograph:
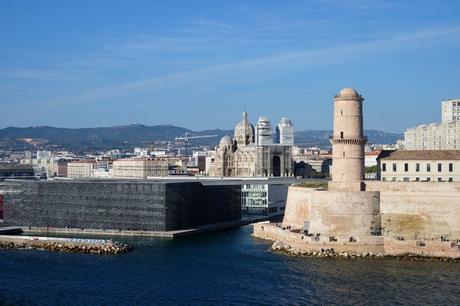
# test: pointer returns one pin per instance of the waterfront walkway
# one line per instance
(163, 234)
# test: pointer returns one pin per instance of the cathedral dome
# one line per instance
(244, 131)
(225, 141)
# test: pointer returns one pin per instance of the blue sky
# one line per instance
(198, 64)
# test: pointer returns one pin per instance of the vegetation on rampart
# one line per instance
(317, 185)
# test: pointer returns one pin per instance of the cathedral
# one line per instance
(252, 152)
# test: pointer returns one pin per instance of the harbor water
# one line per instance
(222, 268)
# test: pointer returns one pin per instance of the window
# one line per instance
(406, 179)
(341, 135)
(417, 179)
(451, 179)
(439, 179)
(394, 167)
(439, 167)
(428, 167)
(393, 179)
(417, 167)
(406, 167)
(428, 179)
(384, 179)
(384, 167)
(451, 167)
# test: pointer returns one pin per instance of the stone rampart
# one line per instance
(345, 213)
(298, 206)
(377, 245)
(412, 210)
(334, 213)
(419, 210)
(298, 241)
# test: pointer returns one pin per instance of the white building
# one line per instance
(437, 136)
(285, 132)
(141, 152)
(370, 158)
(264, 132)
(103, 173)
(419, 166)
(451, 110)
(43, 154)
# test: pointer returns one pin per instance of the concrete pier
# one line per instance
(133, 233)
(10, 230)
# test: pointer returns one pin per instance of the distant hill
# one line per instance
(101, 138)
(129, 136)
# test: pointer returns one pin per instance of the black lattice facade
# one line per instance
(119, 204)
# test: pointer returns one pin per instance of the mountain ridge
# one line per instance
(128, 136)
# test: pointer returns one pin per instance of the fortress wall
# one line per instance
(298, 206)
(334, 213)
(419, 210)
(428, 248)
(449, 187)
(412, 210)
(374, 244)
(345, 213)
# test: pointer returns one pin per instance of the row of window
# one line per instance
(417, 179)
(417, 167)
(253, 193)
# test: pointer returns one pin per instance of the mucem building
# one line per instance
(146, 205)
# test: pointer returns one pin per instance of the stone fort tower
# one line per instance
(348, 142)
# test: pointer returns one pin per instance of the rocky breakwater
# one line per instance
(280, 246)
(67, 245)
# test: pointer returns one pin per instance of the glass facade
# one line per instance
(254, 199)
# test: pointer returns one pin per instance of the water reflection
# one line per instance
(225, 268)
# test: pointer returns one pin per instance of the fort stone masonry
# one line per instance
(354, 216)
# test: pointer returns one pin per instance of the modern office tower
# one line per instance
(264, 133)
(285, 132)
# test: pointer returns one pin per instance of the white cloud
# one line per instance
(342, 53)
(25, 74)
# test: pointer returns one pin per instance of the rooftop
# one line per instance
(419, 155)
(349, 94)
(15, 166)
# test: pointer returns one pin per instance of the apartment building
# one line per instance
(437, 136)
(81, 168)
(140, 167)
